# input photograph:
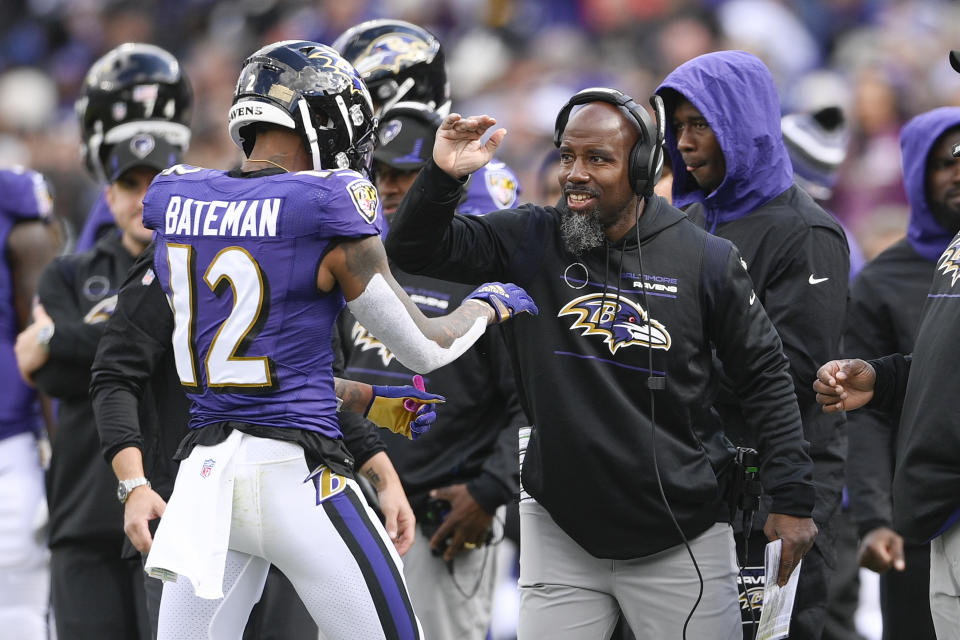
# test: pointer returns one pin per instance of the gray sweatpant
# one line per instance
(568, 594)
(453, 601)
(945, 584)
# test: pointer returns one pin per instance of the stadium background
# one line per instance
(882, 61)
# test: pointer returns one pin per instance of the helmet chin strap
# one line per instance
(398, 95)
(346, 117)
(311, 133)
(93, 152)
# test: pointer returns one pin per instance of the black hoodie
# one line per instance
(795, 251)
(583, 366)
(885, 304)
(79, 293)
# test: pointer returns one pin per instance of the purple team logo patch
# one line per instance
(502, 187)
(364, 198)
(207, 467)
(390, 130)
(141, 145)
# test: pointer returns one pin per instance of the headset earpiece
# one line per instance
(646, 156)
(656, 157)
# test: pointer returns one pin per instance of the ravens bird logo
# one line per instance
(366, 341)
(394, 52)
(620, 321)
(340, 74)
(949, 261)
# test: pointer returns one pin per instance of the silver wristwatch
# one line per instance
(45, 335)
(126, 486)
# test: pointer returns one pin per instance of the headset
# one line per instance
(646, 156)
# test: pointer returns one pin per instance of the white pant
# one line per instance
(568, 594)
(945, 584)
(24, 559)
(321, 534)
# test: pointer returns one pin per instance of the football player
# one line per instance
(26, 246)
(257, 263)
(403, 63)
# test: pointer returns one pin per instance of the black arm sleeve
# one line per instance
(66, 374)
(359, 434)
(419, 229)
(810, 319)
(750, 349)
(499, 478)
(891, 386)
(132, 346)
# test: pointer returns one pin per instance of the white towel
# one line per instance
(195, 528)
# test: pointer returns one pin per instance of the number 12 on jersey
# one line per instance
(235, 268)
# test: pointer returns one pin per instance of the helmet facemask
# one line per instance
(324, 101)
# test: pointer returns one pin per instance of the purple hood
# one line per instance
(917, 138)
(735, 93)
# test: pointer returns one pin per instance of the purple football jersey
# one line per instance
(495, 186)
(23, 196)
(238, 259)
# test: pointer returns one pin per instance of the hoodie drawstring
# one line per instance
(623, 250)
(606, 276)
(712, 219)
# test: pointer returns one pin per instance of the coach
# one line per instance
(617, 377)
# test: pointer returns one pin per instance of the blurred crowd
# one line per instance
(881, 61)
(876, 63)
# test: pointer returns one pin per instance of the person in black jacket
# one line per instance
(732, 174)
(77, 293)
(885, 306)
(616, 376)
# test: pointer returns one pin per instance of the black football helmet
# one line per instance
(398, 61)
(308, 87)
(134, 88)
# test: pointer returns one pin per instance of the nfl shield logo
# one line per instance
(207, 467)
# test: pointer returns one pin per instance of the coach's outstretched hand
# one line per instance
(507, 299)
(844, 385)
(458, 149)
(407, 410)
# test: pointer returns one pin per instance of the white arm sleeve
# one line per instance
(382, 313)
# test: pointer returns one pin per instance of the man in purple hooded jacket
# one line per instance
(732, 174)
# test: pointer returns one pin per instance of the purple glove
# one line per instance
(426, 416)
(507, 299)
